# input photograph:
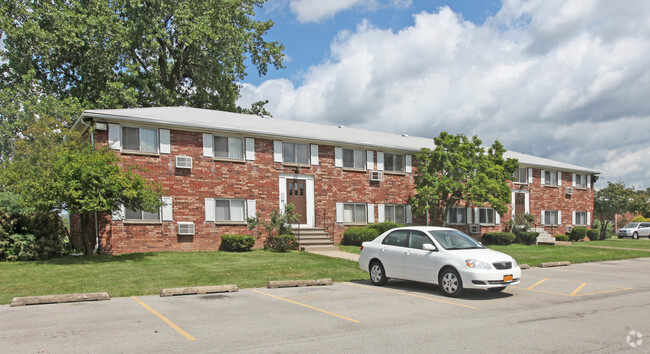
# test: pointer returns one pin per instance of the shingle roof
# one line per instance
(274, 128)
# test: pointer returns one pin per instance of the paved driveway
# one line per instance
(596, 307)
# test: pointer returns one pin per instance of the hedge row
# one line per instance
(237, 243)
(498, 238)
(355, 236)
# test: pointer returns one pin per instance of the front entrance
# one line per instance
(520, 204)
(297, 195)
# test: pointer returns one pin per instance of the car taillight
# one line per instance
(361, 248)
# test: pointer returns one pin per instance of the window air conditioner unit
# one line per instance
(183, 162)
(474, 229)
(568, 229)
(186, 228)
(569, 190)
(376, 176)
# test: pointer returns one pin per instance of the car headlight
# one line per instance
(473, 263)
(514, 263)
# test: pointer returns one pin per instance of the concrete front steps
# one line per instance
(544, 237)
(314, 239)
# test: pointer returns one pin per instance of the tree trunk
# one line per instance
(85, 224)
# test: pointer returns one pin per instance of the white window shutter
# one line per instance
(469, 215)
(165, 143)
(530, 175)
(250, 149)
(314, 155)
(209, 210)
(338, 157)
(573, 218)
(381, 216)
(277, 151)
(339, 212)
(380, 161)
(559, 217)
(477, 216)
(543, 178)
(588, 177)
(371, 213)
(207, 145)
(409, 215)
(251, 208)
(167, 209)
(542, 221)
(409, 168)
(559, 178)
(370, 160)
(574, 179)
(497, 218)
(588, 219)
(114, 137)
(119, 213)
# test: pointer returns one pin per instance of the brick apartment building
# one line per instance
(218, 168)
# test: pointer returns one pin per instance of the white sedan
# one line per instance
(437, 255)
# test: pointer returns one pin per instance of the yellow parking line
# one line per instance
(576, 291)
(605, 291)
(409, 294)
(307, 306)
(170, 323)
(534, 285)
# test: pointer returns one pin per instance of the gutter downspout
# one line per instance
(92, 141)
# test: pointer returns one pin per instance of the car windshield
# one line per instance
(454, 240)
(631, 225)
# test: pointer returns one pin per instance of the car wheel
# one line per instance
(450, 283)
(377, 274)
(496, 290)
(635, 236)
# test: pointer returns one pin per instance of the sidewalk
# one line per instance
(338, 254)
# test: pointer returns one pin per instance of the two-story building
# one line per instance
(218, 168)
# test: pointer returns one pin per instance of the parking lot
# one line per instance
(580, 308)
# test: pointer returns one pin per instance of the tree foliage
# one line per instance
(614, 199)
(460, 169)
(55, 169)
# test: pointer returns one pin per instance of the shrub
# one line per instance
(498, 238)
(384, 226)
(237, 243)
(355, 236)
(561, 237)
(593, 234)
(640, 218)
(578, 233)
(283, 243)
(527, 238)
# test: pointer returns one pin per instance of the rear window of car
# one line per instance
(396, 238)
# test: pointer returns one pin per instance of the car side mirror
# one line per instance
(429, 247)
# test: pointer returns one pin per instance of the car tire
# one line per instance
(450, 283)
(635, 236)
(377, 274)
(497, 290)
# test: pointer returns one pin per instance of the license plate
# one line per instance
(507, 279)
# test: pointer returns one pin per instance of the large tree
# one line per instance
(460, 169)
(614, 199)
(54, 169)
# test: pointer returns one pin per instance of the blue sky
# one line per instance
(562, 79)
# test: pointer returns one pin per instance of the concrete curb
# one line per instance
(58, 299)
(524, 266)
(199, 290)
(555, 264)
(296, 283)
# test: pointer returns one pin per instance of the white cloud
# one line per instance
(317, 10)
(567, 80)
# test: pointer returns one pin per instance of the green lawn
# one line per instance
(642, 243)
(148, 273)
(351, 249)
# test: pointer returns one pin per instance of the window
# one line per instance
(354, 213)
(354, 159)
(395, 213)
(295, 153)
(486, 216)
(230, 210)
(418, 239)
(521, 175)
(581, 181)
(140, 139)
(550, 178)
(396, 238)
(394, 162)
(457, 215)
(226, 147)
(550, 217)
(140, 215)
(581, 218)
